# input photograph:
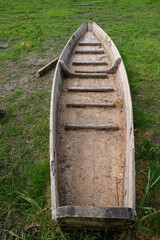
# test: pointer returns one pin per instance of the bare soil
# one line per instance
(21, 74)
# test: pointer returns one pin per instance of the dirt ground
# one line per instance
(21, 74)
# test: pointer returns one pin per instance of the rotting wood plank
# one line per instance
(89, 44)
(92, 126)
(91, 104)
(80, 63)
(46, 68)
(89, 52)
(91, 89)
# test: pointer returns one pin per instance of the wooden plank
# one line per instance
(46, 68)
(112, 70)
(89, 44)
(89, 52)
(67, 72)
(78, 63)
(89, 75)
(92, 126)
(91, 104)
(98, 217)
(91, 89)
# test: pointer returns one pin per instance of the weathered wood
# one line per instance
(129, 174)
(98, 182)
(91, 104)
(114, 67)
(89, 44)
(92, 126)
(91, 89)
(56, 87)
(67, 73)
(46, 68)
(116, 218)
(89, 75)
(89, 52)
(81, 63)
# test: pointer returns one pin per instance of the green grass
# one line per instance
(31, 31)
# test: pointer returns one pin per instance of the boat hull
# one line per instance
(92, 163)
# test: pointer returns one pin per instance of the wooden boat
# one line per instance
(91, 135)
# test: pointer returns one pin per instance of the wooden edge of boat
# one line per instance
(129, 178)
(56, 87)
(96, 217)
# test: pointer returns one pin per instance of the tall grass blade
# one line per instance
(62, 235)
(154, 182)
(14, 235)
(147, 229)
(29, 199)
(147, 216)
(148, 208)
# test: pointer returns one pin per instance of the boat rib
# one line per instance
(94, 63)
(91, 89)
(89, 44)
(91, 104)
(68, 73)
(89, 52)
(91, 126)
